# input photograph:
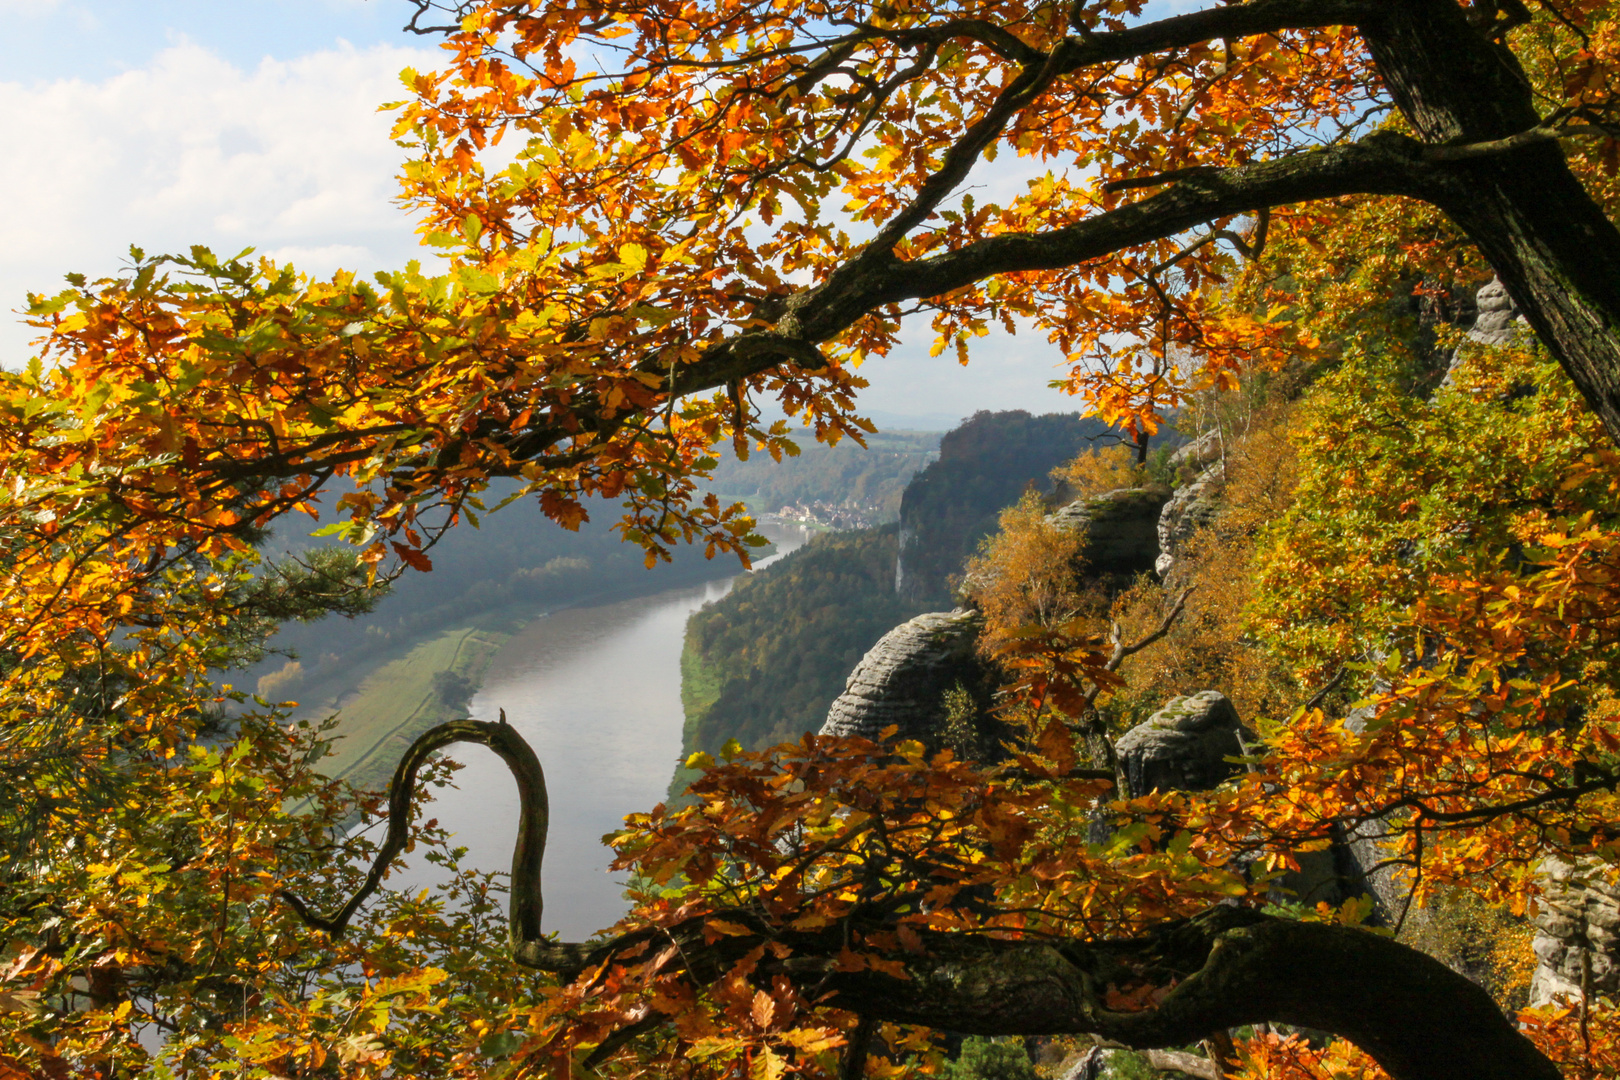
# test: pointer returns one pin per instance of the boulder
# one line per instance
(903, 679)
(1120, 528)
(1577, 926)
(1191, 507)
(1184, 746)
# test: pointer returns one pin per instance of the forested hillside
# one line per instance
(983, 466)
(762, 664)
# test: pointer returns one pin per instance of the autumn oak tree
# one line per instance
(657, 216)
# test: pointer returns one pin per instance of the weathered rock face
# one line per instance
(1578, 926)
(1498, 319)
(903, 679)
(1184, 746)
(1121, 529)
(1498, 322)
(1189, 509)
(1199, 454)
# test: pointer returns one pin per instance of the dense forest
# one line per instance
(983, 466)
(762, 664)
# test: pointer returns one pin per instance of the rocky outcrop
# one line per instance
(1577, 933)
(1191, 507)
(1199, 454)
(1121, 529)
(903, 679)
(1185, 746)
(1498, 322)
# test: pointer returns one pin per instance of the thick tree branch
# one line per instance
(1226, 967)
(1229, 21)
(1381, 164)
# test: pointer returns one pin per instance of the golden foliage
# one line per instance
(610, 311)
(1212, 647)
(1107, 468)
(1028, 573)
(1486, 941)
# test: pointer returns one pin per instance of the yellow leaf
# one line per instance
(764, 1009)
(768, 1065)
(634, 257)
(731, 929)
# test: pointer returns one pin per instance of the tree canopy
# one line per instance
(656, 219)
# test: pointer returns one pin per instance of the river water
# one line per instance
(597, 693)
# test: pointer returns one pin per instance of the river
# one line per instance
(597, 692)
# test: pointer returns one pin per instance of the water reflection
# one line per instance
(597, 692)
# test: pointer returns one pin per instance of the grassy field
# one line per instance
(398, 700)
(385, 702)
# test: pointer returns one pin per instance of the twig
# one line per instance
(853, 1066)
(1121, 652)
(1158, 179)
(1517, 141)
(608, 1045)
(1332, 684)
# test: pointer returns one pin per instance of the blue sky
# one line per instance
(46, 40)
(237, 123)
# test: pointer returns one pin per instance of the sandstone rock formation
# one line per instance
(1190, 508)
(1120, 528)
(1498, 319)
(1199, 454)
(903, 679)
(1498, 322)
(1185, 746)
(1577, 934)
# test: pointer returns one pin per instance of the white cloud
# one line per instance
(290, 157)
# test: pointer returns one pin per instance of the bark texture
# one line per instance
(1226, 967)
(1549, 242)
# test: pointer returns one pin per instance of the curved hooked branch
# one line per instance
(529, 946)
(1171, 985)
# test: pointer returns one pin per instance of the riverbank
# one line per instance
(390, 697)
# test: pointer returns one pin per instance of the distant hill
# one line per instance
(517, 562)
(982, 468)
(866, 482)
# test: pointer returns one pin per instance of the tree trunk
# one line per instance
(1227, 967)
(1550, 243)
